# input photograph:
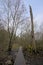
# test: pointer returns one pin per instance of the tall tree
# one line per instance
(15, 11)
(32, 29)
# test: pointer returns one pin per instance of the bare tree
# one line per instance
(17, 19)
(32, 29)
(15, 11)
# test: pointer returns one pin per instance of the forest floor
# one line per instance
(30, 58)
(33, 59)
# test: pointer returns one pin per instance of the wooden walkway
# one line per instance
(20, 58)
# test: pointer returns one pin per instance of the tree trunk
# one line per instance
(32, 30)
(10, 46)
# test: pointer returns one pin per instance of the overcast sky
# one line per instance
(37, 7)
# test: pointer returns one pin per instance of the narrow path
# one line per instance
(20, 58)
